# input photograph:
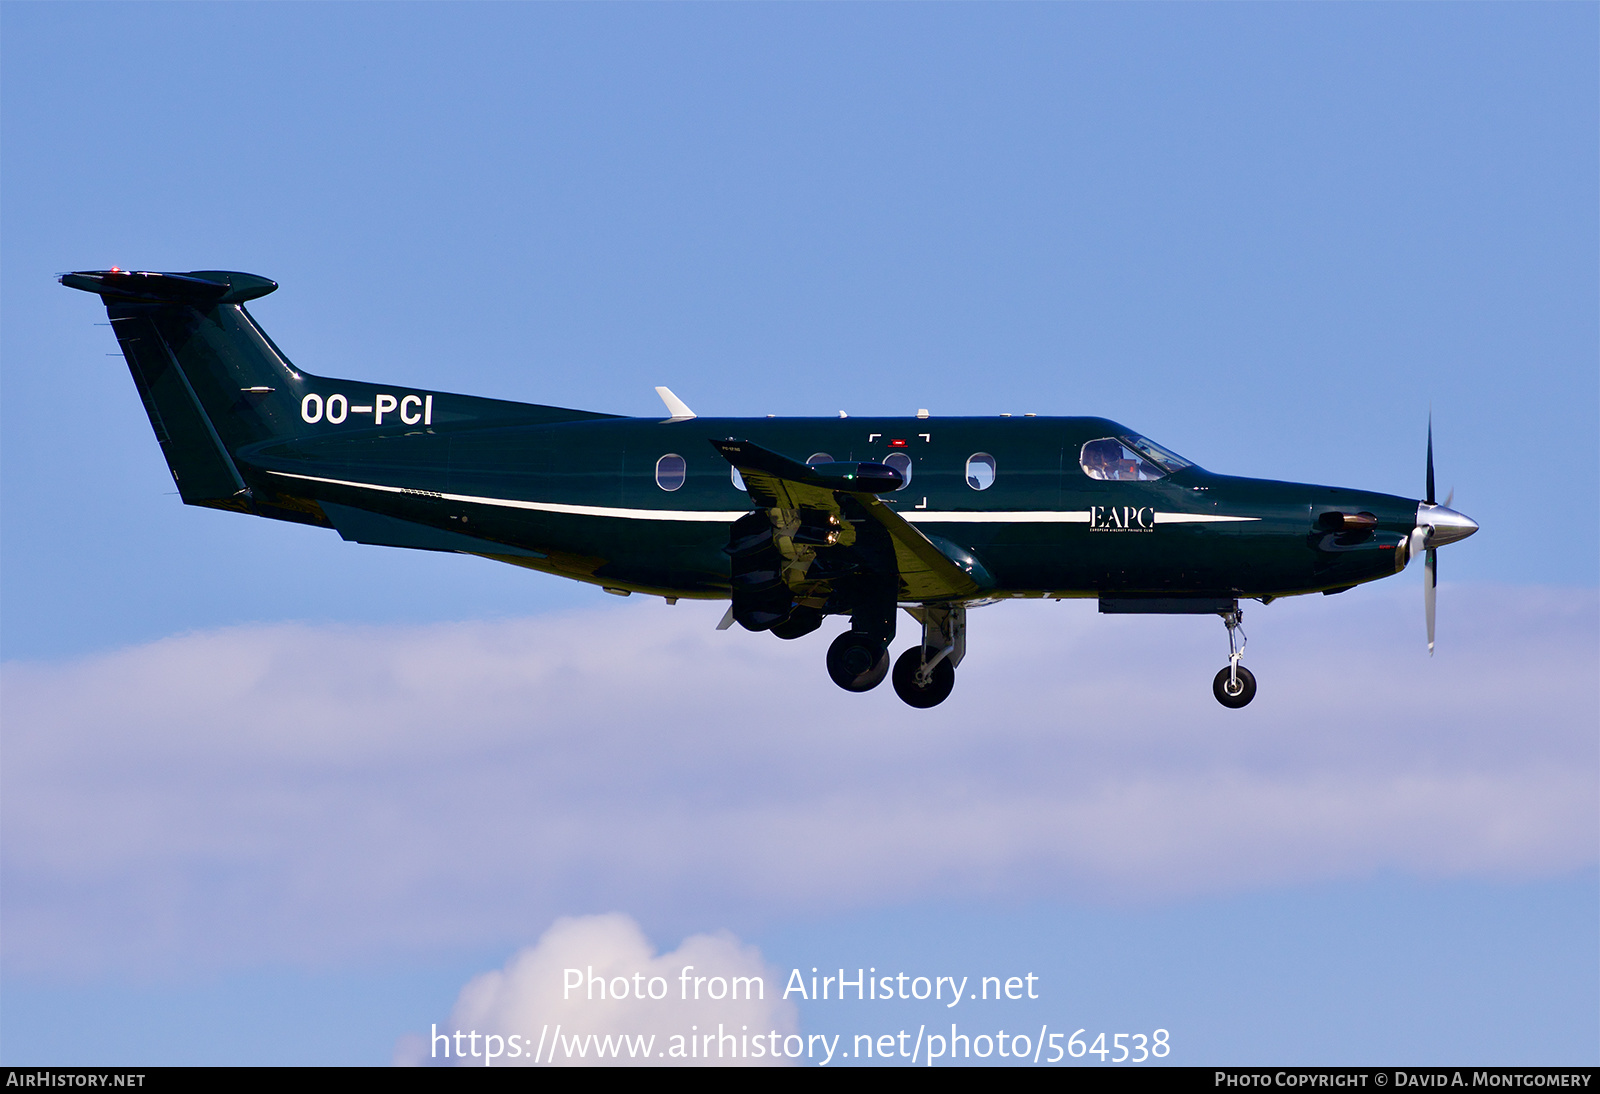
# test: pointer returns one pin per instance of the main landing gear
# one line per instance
(857, 661)
(924, 675)
(1235, 685)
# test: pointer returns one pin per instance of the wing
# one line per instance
(926, 573)
(870, 536)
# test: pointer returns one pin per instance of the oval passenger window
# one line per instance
(980, 471)
(901, 463)
(670, 471)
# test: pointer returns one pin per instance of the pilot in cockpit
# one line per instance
(1103, 459)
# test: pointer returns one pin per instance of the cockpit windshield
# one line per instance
(1129, 458)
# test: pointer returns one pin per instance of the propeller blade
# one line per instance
(1450, 497)
(1430, 583)
(1419, 542)
(1429, 498)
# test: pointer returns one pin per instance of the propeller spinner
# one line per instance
(1436, 525)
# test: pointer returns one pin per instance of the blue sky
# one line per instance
(1270, 237)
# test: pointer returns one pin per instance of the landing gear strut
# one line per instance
(925, 674)
(1235, 685)
(858, 660)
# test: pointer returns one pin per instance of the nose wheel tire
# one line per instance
(1234, 695)
(930, 692)
(856, 662)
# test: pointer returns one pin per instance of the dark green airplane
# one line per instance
(792, 520)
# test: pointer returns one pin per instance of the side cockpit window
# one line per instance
(1129, 458)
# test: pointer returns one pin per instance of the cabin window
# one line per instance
(738, 479)
(980, 470)
(818, 457)
(671, 471)
(902, 464)
(1128, 459)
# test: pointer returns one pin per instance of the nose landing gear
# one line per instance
(1235, 685)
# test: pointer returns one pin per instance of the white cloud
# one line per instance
(593, 992)
(311, 793)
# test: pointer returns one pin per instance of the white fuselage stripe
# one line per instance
(1036, 516)
(540, 506)
(918, 516)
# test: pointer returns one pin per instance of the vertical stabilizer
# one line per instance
(214, 385)
(210, 380)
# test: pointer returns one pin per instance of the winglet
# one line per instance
(675, 405)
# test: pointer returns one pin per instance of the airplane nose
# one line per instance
(1447, 524)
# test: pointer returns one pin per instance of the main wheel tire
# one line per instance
(1234, 699)
(940, 680)
(856, 662)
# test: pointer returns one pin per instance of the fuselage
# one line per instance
(587, 499)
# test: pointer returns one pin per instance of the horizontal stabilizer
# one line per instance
(199, 287)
